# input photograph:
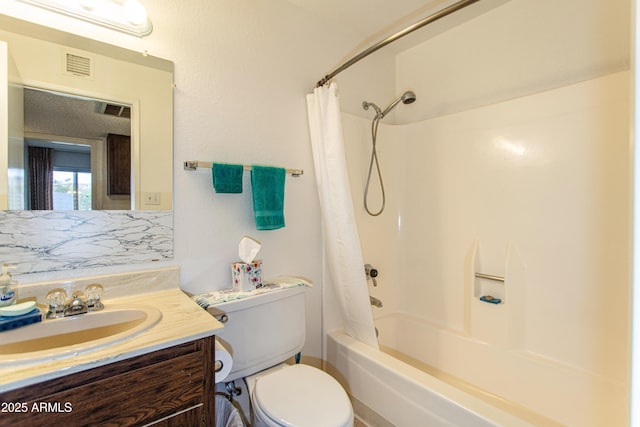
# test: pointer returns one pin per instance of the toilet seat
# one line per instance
(302, 396)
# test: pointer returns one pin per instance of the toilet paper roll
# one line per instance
(223, 362)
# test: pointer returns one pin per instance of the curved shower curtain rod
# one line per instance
(429, 19)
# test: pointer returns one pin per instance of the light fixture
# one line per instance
(135, 12)
(127, 16)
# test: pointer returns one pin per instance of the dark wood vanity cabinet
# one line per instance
(169, 388)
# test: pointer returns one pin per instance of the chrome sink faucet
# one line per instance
(76, 306)
(59, 306)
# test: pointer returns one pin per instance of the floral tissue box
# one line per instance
(246, 276)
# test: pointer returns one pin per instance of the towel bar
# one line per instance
(490, 277)
(192, 165)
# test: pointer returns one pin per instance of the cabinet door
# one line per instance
(173, 387)
(118, 164)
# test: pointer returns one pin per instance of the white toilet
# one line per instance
(263, 331)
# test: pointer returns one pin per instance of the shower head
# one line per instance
(407, 98)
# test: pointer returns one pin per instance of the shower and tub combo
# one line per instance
(500, 309)
(448, 357)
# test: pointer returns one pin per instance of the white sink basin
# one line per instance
(69, 336)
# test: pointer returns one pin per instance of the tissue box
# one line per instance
(247, 276)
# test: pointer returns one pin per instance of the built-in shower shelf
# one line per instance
(498, 320)
(490, 293)
(489, 289)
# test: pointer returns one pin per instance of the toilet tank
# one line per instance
(263, 330)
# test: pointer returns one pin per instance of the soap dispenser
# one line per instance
(7, 295)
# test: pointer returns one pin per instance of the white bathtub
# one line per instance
(403, 394)
(410, 392)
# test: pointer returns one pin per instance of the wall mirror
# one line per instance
(50, 82)
(90, 124)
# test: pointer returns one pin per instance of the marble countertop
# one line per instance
(182, 321)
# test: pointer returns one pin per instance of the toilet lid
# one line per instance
(303, 396)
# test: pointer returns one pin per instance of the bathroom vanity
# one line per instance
(167, 387)
(162, 376)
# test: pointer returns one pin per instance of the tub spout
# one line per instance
(375, 301)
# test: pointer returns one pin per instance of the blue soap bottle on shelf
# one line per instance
(8, 295)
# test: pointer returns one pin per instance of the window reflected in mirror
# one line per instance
(58, 175)
(77, 154)
(71, 191)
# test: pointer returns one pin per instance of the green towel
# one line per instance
(227, 178)
(267, 184)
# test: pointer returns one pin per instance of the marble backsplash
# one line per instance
(46, 241)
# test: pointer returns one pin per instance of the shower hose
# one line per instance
(374, 161)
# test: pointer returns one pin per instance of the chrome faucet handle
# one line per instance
(371, 273)
(56, 299)
(76, 305)
(94, 294)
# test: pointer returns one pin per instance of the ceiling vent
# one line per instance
(116, 110)
(78, 66)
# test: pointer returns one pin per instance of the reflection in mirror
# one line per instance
(39, 62)
(70, 144)
(54, 77)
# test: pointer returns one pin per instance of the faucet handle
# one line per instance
(94, 294)
(56, 299)
(371, 273)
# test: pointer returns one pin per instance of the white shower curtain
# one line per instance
(341, 240)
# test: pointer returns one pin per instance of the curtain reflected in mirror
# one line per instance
(40, 178)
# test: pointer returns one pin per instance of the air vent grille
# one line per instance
(78, 65)
(117, 110)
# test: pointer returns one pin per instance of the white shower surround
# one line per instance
(535, 189)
